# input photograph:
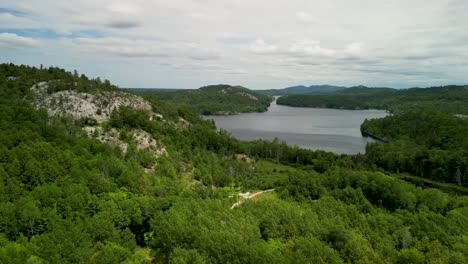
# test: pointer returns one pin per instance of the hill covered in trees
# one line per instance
(301, 89)
(213, 99)
(431, 145)
(448, 99)
(156, 185)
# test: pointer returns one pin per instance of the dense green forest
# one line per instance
(430, 145)
(213, 99)
(447, 99)
(68, 198)
(301, 89)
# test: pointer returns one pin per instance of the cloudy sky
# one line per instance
(259, 44)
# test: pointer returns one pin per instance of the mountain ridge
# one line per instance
(302, 89)
(220, 99)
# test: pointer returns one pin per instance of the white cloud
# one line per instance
(118, 47)
(303, 17)
(306, 48)
(122, 47)
(261, 47)
(14, 41)
(113, 17)
(354, 49)
(123, 16)
(310, 48)
(341, 42)
(10, 21)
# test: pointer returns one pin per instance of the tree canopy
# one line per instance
(66, 197)
(447, 99)
(214, 99)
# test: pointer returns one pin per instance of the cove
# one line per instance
(331, 130)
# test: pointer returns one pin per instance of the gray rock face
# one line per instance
(250, 96)
(142, 139)
(98, 105)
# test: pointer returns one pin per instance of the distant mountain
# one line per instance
(301, 89)
(219, 99)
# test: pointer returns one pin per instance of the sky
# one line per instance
(259, 44)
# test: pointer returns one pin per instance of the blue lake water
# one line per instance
(313, 128)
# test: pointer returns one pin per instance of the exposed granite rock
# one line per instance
(142, 139)
(250, 96)
(98, 105)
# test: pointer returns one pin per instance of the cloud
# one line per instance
(22, 7)
(123, 16)
(111, 20)
(13, 12)
(261, 47)
(122, 24)
(9, 40)
(303, 17)
(32, 33)
(354, 49)
(204, 55)
(122, 47)
(235, 71)
(310, 48)
(306, 48)
(8, 20)
(339, 41)
(233, 38)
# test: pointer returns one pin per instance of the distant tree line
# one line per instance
(446, 99)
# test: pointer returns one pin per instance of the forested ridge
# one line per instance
(447, 99)
(430, 145)
(66, 197)
(301, 89)
(213, 99)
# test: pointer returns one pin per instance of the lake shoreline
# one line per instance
(332, 130)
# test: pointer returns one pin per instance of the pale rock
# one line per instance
(98, 105)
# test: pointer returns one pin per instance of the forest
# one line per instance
(447, 99)
(213, 99)
(430, 145)
(301, 89)
(66, 197)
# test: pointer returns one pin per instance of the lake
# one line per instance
(312, 128)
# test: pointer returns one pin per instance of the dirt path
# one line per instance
(248, 195)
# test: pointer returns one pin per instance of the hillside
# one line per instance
(213, 99)
(448, 99)
(150, 181)
(301, 89)
(429, 145)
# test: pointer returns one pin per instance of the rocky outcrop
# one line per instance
(250, 96)
(142, 139)
(98, 105)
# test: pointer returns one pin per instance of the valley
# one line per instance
(331, 130)
(233, 132)
(93, 174)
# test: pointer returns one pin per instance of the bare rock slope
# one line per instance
(99, 105)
